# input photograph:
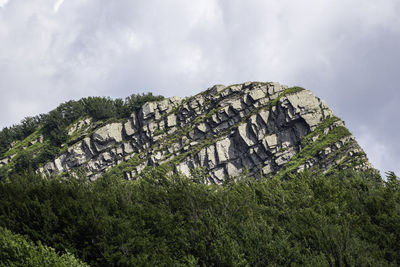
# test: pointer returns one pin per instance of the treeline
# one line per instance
(99, 108)
(347, 219)
(55, 122)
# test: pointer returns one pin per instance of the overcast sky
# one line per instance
(346, 52)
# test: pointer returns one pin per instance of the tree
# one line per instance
(99, 108)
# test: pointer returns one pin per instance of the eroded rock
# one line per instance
(225, 130)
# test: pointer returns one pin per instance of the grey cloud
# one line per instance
(344, 51)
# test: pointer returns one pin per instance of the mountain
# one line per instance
(328, 215)
(264, 129)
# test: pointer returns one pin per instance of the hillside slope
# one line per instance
(263, 128)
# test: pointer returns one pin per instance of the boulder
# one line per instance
(244, 135)
(148, 110)
(272, 140)
(108, 133)
(256, 94)
(171, 120)
(128, 128)
(4, 161)
(223, 150)
(307, 106)
(231, 169)
(183, 168)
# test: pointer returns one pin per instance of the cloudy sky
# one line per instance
(346, 52)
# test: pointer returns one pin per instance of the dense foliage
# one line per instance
(346, 219)
(16, 251)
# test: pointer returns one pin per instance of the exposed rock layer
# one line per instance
(264, 128)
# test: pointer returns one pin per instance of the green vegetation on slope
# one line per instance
(54, 124)
(346, 219)
(20, 140)
(18, 252)
(313, 143)
(17, 132)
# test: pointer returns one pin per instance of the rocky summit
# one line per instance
(264, 129)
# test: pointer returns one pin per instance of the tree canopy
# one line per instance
(346, 219)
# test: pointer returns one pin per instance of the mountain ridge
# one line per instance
(266, 129)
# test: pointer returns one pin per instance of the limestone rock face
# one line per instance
(261, 128)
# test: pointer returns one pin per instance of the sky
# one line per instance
(346, 52)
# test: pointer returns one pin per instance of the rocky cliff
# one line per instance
(262, 128)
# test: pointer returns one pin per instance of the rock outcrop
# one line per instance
(262, 128)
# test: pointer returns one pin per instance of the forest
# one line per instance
(345, 219)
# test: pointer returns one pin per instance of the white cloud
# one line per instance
(379, 153)
(3, 3)
(57, 5)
